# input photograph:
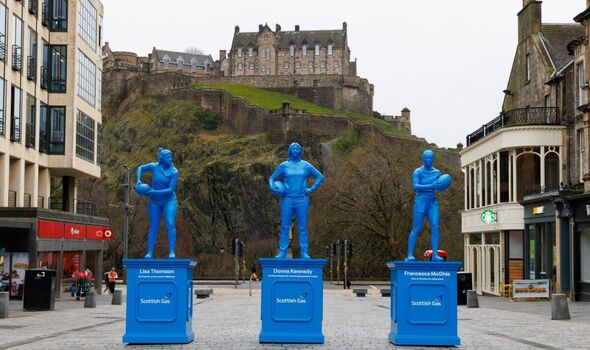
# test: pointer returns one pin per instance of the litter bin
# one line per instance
(463, 285)
(39, 289)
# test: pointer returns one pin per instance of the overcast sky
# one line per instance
(447, 61)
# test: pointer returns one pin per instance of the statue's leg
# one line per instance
(286, 216)
(170, 219)
(301, 212)
(433, 220)
(155, 215)
(416, 227)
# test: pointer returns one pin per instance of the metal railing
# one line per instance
(15, 129)
(17, 58)
(30, 137)
(43, 142)
(27, 200)
(74, 206)
(2, 46)
(45, 13)
(11, 199)
(516, 117)
(31, 68)
(33, 7)
(43, 77)
(40, 202)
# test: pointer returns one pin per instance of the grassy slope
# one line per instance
(272, 100)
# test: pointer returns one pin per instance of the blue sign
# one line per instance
(424, 303)
(159, 301)
(292, 301)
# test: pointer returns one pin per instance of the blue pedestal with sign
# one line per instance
(424, 303)
(159, 301)
(292, 301)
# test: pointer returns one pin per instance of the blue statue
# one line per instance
(426, 180)
(162, 198)
(294, 195)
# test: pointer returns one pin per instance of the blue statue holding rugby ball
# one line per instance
(294, 193)
(162, 198)
(426, 180)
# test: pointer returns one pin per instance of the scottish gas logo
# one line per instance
(165, 300)
(436, 302)
(302, 299)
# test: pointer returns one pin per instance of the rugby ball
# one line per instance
(142, 189)
(278, 188)
(444, 181)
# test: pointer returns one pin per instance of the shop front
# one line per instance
(61, 241)
(580, 232)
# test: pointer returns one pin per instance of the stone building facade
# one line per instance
(402, 121)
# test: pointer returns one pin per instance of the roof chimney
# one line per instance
(277, 27)
(344, 25)
(222, 55)
(529, 19)
(260, 27)
(297, 26)
(237, 29)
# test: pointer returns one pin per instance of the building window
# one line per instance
(240, 66)
(86, 79)
(100, 36)
(262, 70)
(251, 66)
(292, 50)
(581, 81)
(297, 65)
(15, 114)
(304, 50)
(31, 110)
(266, 53)
(2, 107)
(286, 64)
(57, 129)
(317, 49)
(310, 65)
(330, 49)
(166, 61)
(527, 68)
(32, 58)
(54, 67)
(98, 143)
(547, 100)
(17, 47)
(193, 65)
(581, 153)
(250, 52)
(84, 136)
(322, 64)
(179, 62)
(56, 15)
(3, 22)
(87, 23)
(336, 64)
(239, 52)
(99, 93)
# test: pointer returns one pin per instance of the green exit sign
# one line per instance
(488, 216)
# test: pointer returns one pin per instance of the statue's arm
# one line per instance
(276, 174)
(418, 186)
(318, 177)
(171, 187)
(141, 169)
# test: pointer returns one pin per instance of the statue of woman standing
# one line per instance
(162, 198)
(294, 196)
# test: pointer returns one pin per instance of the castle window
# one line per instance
(240, 66)
(317, 49)
(330, 49)
(322, 64)
(239, 52)
(266, 53)
(336, 64)
(580, 79)
(304, 50)
(292, 50)
(310, 65)
(286, 64)
(250, 51)
(251, 66)
(527, 68)
(268, 71)
(297, 65)
(166, 61)
(262, 70)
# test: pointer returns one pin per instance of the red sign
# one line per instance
(50, 229)
(74, 231)
(98, 232)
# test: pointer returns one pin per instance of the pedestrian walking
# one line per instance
(253, 275)
(112, 279)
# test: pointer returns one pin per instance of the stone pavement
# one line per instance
(230, 319)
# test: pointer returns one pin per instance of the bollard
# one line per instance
(90, 300)
(559, 307)
(117, 297)
(472, 301)
(4, 300)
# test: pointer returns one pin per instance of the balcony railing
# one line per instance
(31, 68)
(40, 202)
(30, 139)
(2, 47)
(17, 58)
(27, 200)
(516, 117)
(43, 142)
(75, 206)
(11, 198)
(15, 129)
(43, 77)
(45, 13)
(33, 7)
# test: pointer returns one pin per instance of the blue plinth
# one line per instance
(159, 301)
(424, 303)
(292, 301)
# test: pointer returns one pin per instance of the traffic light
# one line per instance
(241, 248)
(233, 246)
(348, 249)
(333, 246)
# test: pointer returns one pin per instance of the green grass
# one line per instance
(273, 100)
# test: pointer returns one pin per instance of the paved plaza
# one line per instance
(230, 319)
